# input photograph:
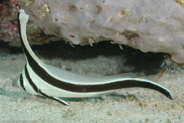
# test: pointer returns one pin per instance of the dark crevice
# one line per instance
(147, 63)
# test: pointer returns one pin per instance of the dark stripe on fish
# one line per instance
(30, 80)
(21, 82)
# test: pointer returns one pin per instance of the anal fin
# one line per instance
(54, 98)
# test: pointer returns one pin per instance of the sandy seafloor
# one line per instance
(132, 105)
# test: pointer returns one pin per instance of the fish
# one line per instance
(51, 82)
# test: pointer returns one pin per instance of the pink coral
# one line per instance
(148, 25)
(9, 26)
(8, 23)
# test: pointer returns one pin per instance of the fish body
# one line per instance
(41, 79)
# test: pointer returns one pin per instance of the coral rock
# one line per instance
(148, 25)
(9, 25)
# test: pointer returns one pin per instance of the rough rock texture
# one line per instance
(8, 21)
(9, 25)
(148, 25)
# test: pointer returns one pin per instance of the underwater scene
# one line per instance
(97, 61)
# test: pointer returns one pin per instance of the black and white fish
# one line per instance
(41, 79)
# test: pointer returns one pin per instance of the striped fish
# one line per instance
(48, 81)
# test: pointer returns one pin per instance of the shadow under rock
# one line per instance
(147, 63)
(64, 51)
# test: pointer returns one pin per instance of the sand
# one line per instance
(133, 105)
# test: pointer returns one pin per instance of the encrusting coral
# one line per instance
(148, 25)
